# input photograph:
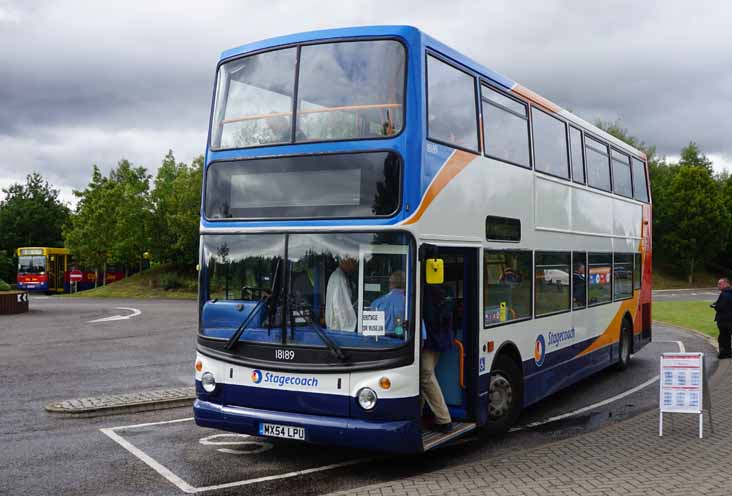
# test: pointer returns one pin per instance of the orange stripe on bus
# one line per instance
(454, 165)
(612, 333)
(536, 98)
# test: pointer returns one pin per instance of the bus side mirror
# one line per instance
(434, 271)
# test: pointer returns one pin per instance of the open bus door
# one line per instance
(56, 272)
(457, 368)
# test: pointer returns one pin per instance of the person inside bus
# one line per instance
(509, 276)
(280, 128)
(339, 311)
(580, 284)
(438, 335)
(393, 305)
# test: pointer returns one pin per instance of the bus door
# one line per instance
(55, 271)
(454, 303)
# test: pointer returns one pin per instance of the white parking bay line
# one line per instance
(185, 486)
(135, 313)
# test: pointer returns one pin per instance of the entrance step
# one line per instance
(432, 439)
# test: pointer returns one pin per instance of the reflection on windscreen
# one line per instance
(354, 286)
(346, 90)
(326, 188)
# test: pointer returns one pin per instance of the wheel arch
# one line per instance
(510, 349)
(629, 318)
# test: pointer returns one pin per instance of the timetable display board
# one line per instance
(682, 383)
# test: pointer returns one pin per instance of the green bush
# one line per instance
(4, 286)
(171, 281)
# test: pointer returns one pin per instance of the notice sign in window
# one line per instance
(682, 377)
(373, 323)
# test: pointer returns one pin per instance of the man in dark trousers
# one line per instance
(723, 307)
(438, 305)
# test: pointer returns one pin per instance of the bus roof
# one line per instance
(42, 250)
(413, 35)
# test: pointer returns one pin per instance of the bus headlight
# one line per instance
(208, 382)
(367, 398)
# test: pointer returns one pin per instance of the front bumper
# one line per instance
(399, 436)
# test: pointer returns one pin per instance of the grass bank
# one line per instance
(665, 279)
(690, 314)
(160, 282)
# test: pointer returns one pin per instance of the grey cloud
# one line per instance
(91, 82)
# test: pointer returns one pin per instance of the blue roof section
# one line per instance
(408, 32)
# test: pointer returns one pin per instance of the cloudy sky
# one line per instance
(85, 83)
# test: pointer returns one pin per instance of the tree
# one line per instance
(31, 214)
(162, 197)
(176, 202)
(701, 220)
(89, 234)
(131, 191)
(111, 218)
(692, 156)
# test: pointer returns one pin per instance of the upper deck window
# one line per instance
(598, 164)
(640, 188)
(505, 128)
(621, 174)
(451, 114)
(345, 90)
(550, 144)
(578, 162)
(350, 90)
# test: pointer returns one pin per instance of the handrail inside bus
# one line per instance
(460, 346)
(312, 111)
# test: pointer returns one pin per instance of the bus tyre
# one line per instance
(624, 345)
(506, 395)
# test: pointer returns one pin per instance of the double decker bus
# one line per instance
(48, 270)
(359, 182)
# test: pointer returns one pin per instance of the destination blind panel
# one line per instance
(314, 186)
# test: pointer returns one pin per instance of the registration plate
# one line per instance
(284, 431)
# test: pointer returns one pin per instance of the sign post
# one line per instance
(684, 387)
(75, 276)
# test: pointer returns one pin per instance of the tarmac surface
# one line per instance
(703, 294)
(72, 348)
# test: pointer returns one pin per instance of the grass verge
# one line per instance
(690, 314)
(160, 282)
(665, 279)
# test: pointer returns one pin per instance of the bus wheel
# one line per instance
(506, 393)
(626, 334)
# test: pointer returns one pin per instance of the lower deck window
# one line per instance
(579, 280)
(506, 286)
(551, 277)
(623, 273)
(600, 288)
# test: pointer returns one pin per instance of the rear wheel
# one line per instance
(626, 335)
(506, 395)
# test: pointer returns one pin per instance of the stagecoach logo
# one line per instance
(283, 380)
(539, 350)
(256, 376)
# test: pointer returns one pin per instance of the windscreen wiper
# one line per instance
(234, 339)
(332, 346)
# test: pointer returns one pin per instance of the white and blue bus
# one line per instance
(349, 173)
